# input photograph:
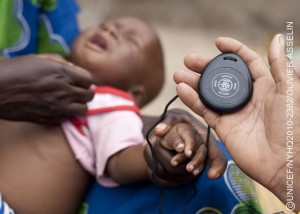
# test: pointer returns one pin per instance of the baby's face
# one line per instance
(115, 51)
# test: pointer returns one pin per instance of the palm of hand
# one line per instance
(256, 136)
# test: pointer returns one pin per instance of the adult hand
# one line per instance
(169, 175)
(255, 136)
(41, 90)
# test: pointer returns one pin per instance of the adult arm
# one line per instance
(40, 90)
(256, 136)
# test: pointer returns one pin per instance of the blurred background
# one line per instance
(191, 26)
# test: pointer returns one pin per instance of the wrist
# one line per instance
(147, 160)
(285, 184)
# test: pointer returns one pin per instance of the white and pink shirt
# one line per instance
(111, 125)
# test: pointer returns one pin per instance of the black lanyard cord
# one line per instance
(154, 157)
(161, 118)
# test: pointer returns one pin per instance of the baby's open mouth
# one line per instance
(97, 42)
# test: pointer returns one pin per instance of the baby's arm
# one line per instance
(189, 146)
(128, 166)
(118, 144)
(120, 153)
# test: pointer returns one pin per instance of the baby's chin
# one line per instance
(80, 60)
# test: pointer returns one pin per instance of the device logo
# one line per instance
(225, 85)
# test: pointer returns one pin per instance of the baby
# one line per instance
(39, 173)
(125, 58)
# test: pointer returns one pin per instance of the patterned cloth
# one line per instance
(50, 26)
(37, 26)
(4, 208)
(233, 193)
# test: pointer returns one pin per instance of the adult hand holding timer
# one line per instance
(256, 135)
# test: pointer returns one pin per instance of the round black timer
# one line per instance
(225, 85)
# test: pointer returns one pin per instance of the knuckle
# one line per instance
(53, 111)
(82, 110)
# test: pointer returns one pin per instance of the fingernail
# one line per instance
(281, 40)
(180, 146)
(190, 168)
(161, 126)
(153, 138)
(70, 64)
(174, 163)
(189, 153)
(196, 172)
(215, 174)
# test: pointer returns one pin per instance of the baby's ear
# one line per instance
(139, 94)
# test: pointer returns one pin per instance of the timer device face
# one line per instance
(225, 84)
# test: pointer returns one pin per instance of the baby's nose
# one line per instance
(111, 29)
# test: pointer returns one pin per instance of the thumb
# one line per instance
(280, 65)
(162, 129)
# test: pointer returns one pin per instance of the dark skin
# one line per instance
(165, 150)
(193, 153)
(47, 91)
(256, 136)
(42, 91)
(127, 50)
(39, 173)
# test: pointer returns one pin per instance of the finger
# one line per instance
(179, 159)
(216, 159)
(78, 76)
(163, 128)
(67, 111)
(82, 95)
(191, 138)
(257, 66)
(196, 165)
(187, 77)
(277, 58)
(281, 67)
(52, 56)
(173, 139)
(191, 99)
(59, 59)
(164, 158)
(76, 109)
(217, 167)
(196, 62)
(172, 117)
(174, 143)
